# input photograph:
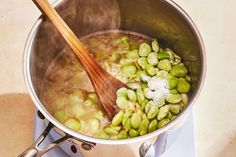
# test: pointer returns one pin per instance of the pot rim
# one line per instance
(76, 135)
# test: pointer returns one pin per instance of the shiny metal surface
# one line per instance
(156, 18)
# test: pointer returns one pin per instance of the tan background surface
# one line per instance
(215, 109)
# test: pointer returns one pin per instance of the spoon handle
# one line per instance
(82, 53)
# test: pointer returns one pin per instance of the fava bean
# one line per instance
(185, 99)
(179, 71)
(142, 62)
(102, 135)
(152, 112)
(134, 85)
(133, 54)
(122, 92)
(111, 131)
(150, 70)
(155, 45)
(114, 57)
(133, 133)
(128, 70)
(73, 124)
(89, 102)
(94, 124)
(170, 52)
(153, 125)
(163, 112)
(143, 127)
(131, 95)
(93, 96)
(127, 114)
(99, 115)
(123, 134)
(122, 102)
(152, 59)
(127, 124)
(144, 49)
(77, 110)
(144, 103)
(140, 96)
(135, 120)
(163, 122)
(183, 86)
(174, 91)
(175, 108)
(169, 115)
(173, 98)
(117, 119)
(163, 55)
(61, 116)
(164, 65)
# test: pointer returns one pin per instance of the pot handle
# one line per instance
(155, 149)
(35, 151)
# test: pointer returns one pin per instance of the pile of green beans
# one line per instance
(139, 114)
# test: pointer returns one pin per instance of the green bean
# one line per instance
(127, 124)
(155, 45)
(94, 124)
(152, 59)
(131, 95)
(117, 119)
(142, 62)
(174, 91)
(169, 115)
(150, 70)
(185, 99)
(163, 55)
(164, 65)
(114, 57)
(93, 96)
(128, 70)
(135, 120)
(163, 122)
(133, 54)
(73, 124)
(133, 85)
(144, 49)
(110, 131)
(152, 112)
(143, 127)
(183, 86)
(163, 112)
(122, 102)
(175, 108)
(99, 115)
(61, 116)
(179, 71)
(173, 98)
(133, 133)
(140, 96)
(123, 134)
(153, 125)
(102, 135)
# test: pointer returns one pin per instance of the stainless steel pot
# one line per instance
(155, 18)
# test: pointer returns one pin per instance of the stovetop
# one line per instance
(180, 143)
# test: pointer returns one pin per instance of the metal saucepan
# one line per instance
(155, 18)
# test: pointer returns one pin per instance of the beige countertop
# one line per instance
(215, 109)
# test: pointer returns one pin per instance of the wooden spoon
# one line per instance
(104, 83)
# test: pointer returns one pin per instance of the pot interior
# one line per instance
(149, 17)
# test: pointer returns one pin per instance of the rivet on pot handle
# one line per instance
(35, 151)
(155, 149)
